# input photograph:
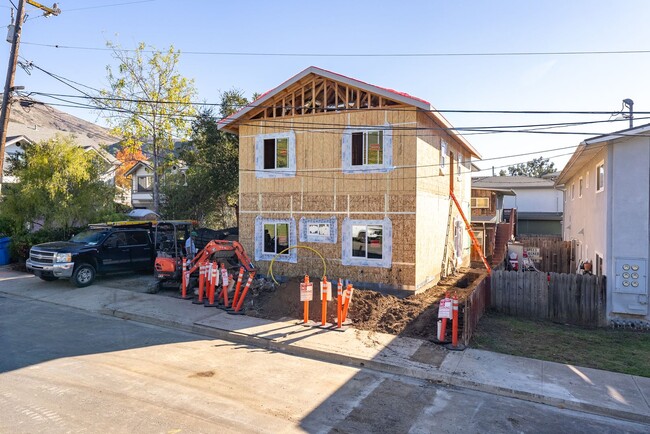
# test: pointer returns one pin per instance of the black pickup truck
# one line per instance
(99, 249)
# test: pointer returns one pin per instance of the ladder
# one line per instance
(468, 227)
(443, 266)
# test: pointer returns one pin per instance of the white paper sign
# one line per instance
(306, 291)
(444, 311)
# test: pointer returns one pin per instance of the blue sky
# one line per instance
(539, 82)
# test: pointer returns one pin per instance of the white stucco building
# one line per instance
(539, 204)
(607, 192)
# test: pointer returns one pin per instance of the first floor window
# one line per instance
(144, 183)
(367, 148)
(367, 241)
(600, 177)
(276, 238)
(276, 153)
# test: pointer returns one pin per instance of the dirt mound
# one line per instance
(413, 316)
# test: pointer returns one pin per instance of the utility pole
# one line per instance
(11, 73)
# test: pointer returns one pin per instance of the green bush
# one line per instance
(22, 242)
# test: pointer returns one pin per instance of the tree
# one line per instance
(58, 185)
(149, 105)
(127, 157)
(535, 168)
(211, 182)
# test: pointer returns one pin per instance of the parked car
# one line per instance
(103, 248)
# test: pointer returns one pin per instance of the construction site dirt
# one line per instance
(413, 316)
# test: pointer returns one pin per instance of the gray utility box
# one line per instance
(630, 286)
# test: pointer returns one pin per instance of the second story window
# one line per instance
(144, 183)
(368, 148)
(367, 151)
(480, 202)
(600, 177)
(275, 155)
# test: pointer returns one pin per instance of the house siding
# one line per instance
(331, 193)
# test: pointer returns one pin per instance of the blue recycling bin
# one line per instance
(4, 250)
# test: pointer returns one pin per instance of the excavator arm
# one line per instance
(215, 246)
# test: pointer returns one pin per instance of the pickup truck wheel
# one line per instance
(84, 275)
(48, 278)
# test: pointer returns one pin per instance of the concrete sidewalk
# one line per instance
(591, 390)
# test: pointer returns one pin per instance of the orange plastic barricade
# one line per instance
(339, 303)
(238, 286)
(444, 313)
(212, 281)
(184, 279)
(346, 302)
(306, 295)
(224, 283)
(199, 299)
(325, 296)
(454, 326)
(240, 302)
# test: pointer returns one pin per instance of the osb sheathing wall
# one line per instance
(432, 211)
(333, 193)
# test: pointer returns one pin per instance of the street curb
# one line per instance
(441, 378)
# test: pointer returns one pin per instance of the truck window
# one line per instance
(137, 238)
(90, 237)
(116, 240)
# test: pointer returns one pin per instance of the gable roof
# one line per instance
(136, 166)
(588, 149)
(229, 122)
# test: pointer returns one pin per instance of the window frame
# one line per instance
(600, 187)
(275, 153)
(260, 254)
(277, 172)
(573, 190)
(474, 202)
(444, 153)
(581, 186)
(347, 244)
(306, 237)
(141, 189)
(386, 146)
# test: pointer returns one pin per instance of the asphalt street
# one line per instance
(65, 370)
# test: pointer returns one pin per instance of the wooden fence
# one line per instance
(474, 307)
(569, 298)
(555, 255)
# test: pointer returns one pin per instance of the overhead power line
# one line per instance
(290, 54)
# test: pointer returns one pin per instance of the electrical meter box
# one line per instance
(630, 294)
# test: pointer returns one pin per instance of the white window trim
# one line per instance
(602, 188)
(587, 181)
(387, 244)
(459, 167)
(581, 186)
(444, 153)
(260, 254)
(285, 172)
(306, 237)
(346, 145)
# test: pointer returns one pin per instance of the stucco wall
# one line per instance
(535, 200)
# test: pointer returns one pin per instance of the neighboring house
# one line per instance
(32, 121)
(141, 175)
(357, 172)
(607, 186)
(539, 204)
(491, 222)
